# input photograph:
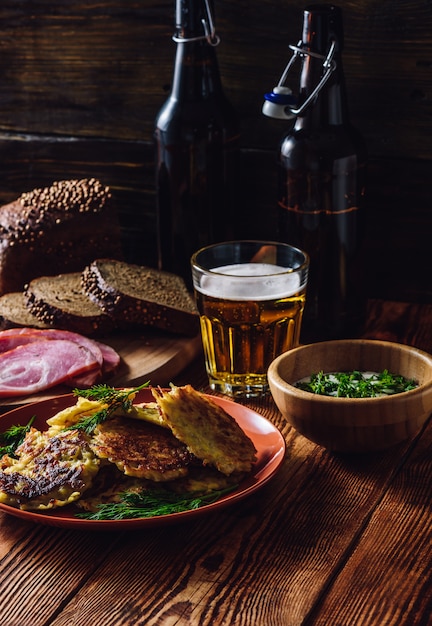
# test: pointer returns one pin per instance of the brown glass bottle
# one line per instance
(197, 147)
(321, 185)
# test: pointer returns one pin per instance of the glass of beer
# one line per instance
(250, 297)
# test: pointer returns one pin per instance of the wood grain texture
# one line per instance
(208, 572)
(104, 69)
(375, 565)
(126, 167)
(51, 563)
(82, 82)
(332, 539)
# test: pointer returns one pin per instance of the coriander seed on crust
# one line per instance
(56, 229)
(135, 295)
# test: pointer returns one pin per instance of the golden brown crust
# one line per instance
(209, 432)
(141, 449)
(200, 449)
(56, 229)
(49, 471)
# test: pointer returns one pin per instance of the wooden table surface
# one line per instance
(331, 540)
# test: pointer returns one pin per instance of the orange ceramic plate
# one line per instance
(268, 441)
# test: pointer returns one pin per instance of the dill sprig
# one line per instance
(13, 437)
(114, 399)
(356, 384)
(152, 503)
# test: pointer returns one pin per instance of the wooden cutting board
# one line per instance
(145, 356)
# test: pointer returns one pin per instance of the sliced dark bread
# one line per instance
(14, 312)
(56, 229)
(61, 302)
(141, 296)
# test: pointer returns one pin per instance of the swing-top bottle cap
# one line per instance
(277, 103)
(322, 39)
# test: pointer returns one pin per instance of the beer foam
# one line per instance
(250, 281)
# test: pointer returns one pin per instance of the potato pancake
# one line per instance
(141, 449)
(181, 439)
(71, 415)
(48, 471)
(107, 487)
(204, 480)
(148, 412)
(110, 484)
(209, 432)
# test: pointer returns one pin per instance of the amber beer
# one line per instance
(250, 313)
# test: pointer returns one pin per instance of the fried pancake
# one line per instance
(206, 429)
(204, 480)
(71, 415)
(148, 412)
(141, 449)
(107, 487)
(110, 484)
(48, 471)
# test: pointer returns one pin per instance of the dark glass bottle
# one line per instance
(197, 146)
(322, 163)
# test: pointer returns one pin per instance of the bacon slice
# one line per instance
(10, 340)
(111, 358)
(40, 365)
(106, 356)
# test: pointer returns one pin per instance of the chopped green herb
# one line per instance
(356, 384)
(13, 437)
(151, 503)
(114, 399)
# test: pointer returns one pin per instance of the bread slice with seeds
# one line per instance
(141, 296)
(61, 302)
(56, 229)
(14, 313)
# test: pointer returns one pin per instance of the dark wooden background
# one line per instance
(82, 81)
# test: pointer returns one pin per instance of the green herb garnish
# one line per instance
(114, 399)
(152, 503)
(13, 437)
(356, 384)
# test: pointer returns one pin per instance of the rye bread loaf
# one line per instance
(14, 312)
(141, 296)
(56, 229)
(60, 302)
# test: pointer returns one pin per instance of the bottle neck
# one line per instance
(322, 28)
(196, 71)
(194, 20)
(330, 106)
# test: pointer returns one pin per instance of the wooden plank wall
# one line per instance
(81, 83)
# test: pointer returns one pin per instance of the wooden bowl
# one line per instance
(353, 424)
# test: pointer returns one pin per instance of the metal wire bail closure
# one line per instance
(208, 28)
(281, 103)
